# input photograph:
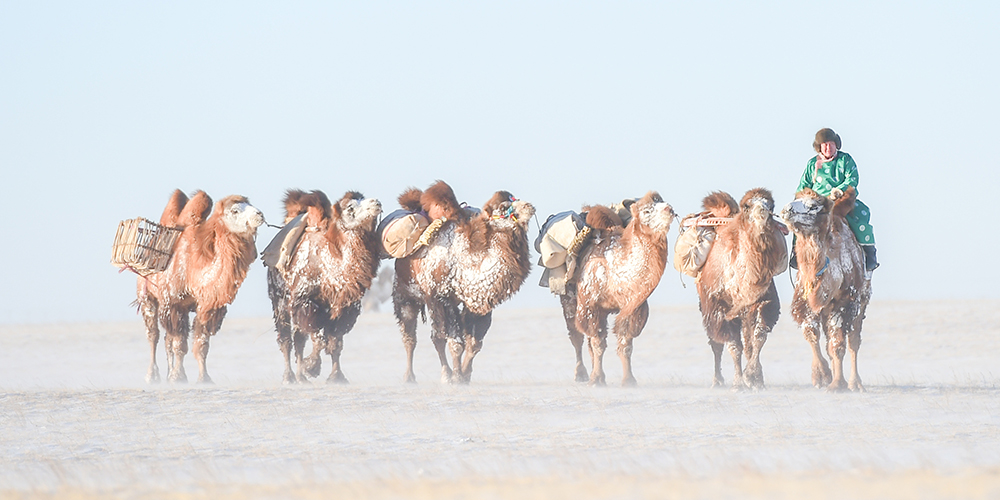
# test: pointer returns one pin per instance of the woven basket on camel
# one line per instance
(143, 246)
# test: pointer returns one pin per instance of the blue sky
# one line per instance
(105, 108)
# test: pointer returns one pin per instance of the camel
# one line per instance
(737, 297)
(615, 274)
(832, 289)
(317, 295)
(209, 262)
(473, 263)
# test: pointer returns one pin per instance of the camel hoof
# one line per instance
(856, 387)
(718, 383)
(312, 367)
(153, 377)
(582, 375)
(205, 379)
(337, 378)
(836, 387)
(445, 375)
(630, 382)
(410, 378)
(288, 379)
(597, 383)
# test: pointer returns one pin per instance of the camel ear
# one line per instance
(845, 203)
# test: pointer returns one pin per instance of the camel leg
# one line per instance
(457, 348)
(441, 346)
(595, 326)
(597, 346)
(445, 332)
(178, 346)
(153, 335)
(334, 346)
(821, 375)
(717, 379)
(835, 348)
(175, 342)
(576, 337)
(756, 328)
(334, 332)
(736, 349)
(285, 343)
(312, 365)
(206, 324)
(853, 344)
(628, 326)
(476, 328)
(299, 339)
(408, 328)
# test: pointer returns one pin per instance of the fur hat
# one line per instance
(826, 135)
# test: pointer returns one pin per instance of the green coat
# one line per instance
(840, 173)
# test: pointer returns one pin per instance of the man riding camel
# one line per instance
(830, 173)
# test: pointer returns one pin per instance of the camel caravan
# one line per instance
(454, 264)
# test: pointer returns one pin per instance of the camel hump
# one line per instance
(410, 199)
(172, 212)
(843, 205)
(298, 202)
(197, 209)
(602, 218)
(441, 194)
(720, 204)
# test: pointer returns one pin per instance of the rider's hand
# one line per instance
(836, 194)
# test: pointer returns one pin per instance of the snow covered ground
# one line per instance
(78, 421)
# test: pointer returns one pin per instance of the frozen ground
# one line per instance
(77, 420)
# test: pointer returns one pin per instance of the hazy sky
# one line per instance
(106, 107)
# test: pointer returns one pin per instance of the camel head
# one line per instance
(354, 211)
(239, 216)
(504, 206)
(651, 212)
(808, 214)
(757, 206)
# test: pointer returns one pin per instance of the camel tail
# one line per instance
(720, 204)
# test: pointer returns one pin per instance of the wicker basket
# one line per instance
(143, 246)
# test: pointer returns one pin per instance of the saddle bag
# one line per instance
(554, 242)
(692, 248)
(399, 233)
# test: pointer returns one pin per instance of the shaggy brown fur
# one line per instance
(209, 263)
(441, 194)
(615, 275)
(318, 296)
(602, 218)
(410, 199)
(720, 204)
(736, 286)
(832, 289)
(468, 268)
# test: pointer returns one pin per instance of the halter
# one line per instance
(509, 213)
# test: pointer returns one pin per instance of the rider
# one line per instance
(830, 173)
